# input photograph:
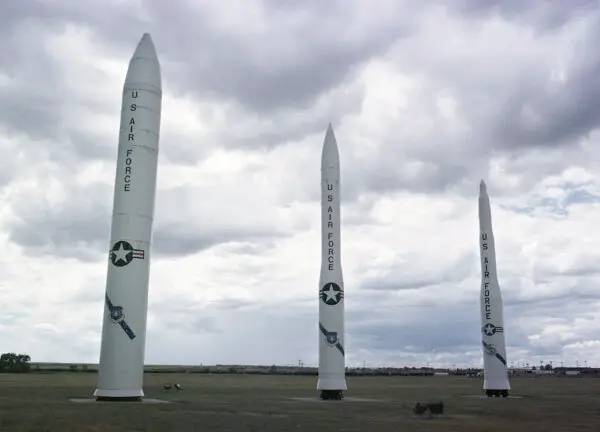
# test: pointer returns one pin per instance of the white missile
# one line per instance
(332, 367)
(495, 382)
(121, 370)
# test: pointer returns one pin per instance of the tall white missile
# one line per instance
(495, 373)
(121, 370)
(332, 366)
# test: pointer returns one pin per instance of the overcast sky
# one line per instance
(426, 98)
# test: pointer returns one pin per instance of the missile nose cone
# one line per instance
(482, 188)
(329, 129)
(145, 48)
(330, 156)
(144, 65)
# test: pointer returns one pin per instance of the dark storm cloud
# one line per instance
(416, 274)
(189, 316)
(452, 328)
(287, 61)
(79, 227)
(392, 284)
(544, 15)
(300, 54)
(564, 112)
(419, 336)
(179, 239)
(550, 304)
(296, 55)
(519, 109)
(76, 228)
(30, 102)
(277, 65)
(511, 106)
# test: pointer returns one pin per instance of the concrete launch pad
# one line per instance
(487, 397)
(143, 401)
(346, 399)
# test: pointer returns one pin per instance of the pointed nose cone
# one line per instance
(330, 156)
(482, 189)
(144, 65)
(145, 48)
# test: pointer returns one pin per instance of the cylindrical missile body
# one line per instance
(492, 317)
(332, 369)
(121, 369)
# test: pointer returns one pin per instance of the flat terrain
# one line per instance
(40, 402)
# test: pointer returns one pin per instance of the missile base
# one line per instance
(332, 394)
(119, 399)
(496, 393)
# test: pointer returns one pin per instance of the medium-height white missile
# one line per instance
(332, 366)
(495, 373)
(121, 370)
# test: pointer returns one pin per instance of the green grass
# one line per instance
(40, 402)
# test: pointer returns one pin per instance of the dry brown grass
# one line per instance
(40, 402)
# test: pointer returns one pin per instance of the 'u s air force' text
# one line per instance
(331, 246)
(486, 277)
(131, 125)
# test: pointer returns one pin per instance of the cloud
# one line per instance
(425, 100)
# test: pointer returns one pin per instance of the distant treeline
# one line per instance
(14, 363)
(238, 369)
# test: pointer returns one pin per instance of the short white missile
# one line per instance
(121, 369)
(332, 366)
(495, 372)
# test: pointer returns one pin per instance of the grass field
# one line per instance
(40, 402)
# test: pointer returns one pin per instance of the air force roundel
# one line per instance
(490, 329)
(122, 253)
(331, 294)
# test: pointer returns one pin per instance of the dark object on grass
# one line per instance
(168, 386)
(332, 394)
(436, 408)
(496, 393)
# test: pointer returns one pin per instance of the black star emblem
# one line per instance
(331, 294)
(121, 253)
(489, 329)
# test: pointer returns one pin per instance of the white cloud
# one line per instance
(419, 119)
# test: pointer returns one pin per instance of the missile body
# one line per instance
(121, 370)
(495, 371)
(332, 369)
